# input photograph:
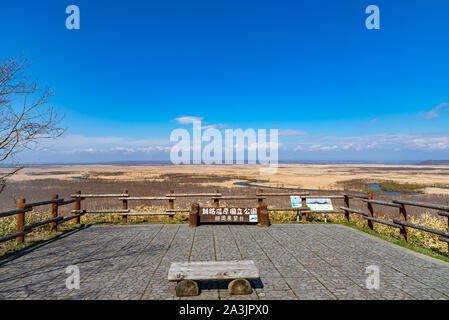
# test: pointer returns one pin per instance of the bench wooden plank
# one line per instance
(213, 270)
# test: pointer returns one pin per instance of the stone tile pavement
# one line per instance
(311, 261)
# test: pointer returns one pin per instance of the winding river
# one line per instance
(253, 185)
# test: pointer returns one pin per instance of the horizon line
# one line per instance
(167, 162)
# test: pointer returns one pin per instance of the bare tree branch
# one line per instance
(26, 115)
(4, 178)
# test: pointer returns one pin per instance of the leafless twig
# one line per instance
(26, 115)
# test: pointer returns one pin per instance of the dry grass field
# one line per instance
(311, 176)
(306, 176)
(40, 183)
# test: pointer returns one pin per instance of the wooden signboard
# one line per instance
(229, 214)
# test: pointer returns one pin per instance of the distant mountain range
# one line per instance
(323, 162)
(434, 162)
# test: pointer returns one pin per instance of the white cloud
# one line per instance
(78, 144)
(268, 145)
(114, 150)
(73, 151)
(292, 132)
(205, 125)
(436, 112)
(188, 119)
(373, 121)
(79, 140)
(148, 142)
(319, 147)
(396, 142)
(436, 143)
(214, 126)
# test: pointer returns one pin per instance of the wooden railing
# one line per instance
(216, 197)
(24, 208)
(402, 224)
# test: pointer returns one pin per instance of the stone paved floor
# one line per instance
(295, 262)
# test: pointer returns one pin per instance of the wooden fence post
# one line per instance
(403, 229)
(54, 214)
(78, 207)
(216, 200)
(125, 207)
(171, 205)
(303, 212)
(194, 217)
(260, 200)
(370, 211)
(346, 202)
(20, 220)
(264, 217)
(448, 231)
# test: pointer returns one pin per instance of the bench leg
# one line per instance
(239, 286)
(187, 288)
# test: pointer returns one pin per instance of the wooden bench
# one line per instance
(188, 273)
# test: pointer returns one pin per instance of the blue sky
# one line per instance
(336, 90)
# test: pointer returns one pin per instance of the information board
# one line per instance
(228, 215)
(296, 201)
(319, 204)
(314, 204)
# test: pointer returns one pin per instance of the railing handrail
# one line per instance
(30, 206)
(55, 202)
(23, 208)
(43, 203)
(13, 212)
(106, 195)
(383, 203)
(422, 204)
(356, 195)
